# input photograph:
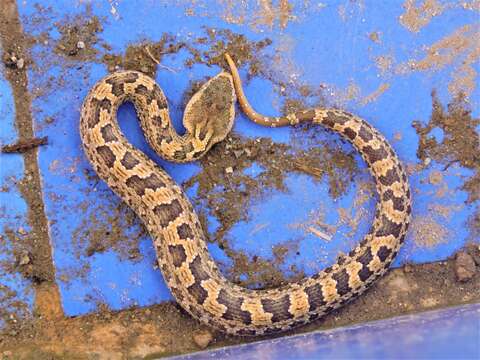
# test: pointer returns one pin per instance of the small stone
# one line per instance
(474, 251)
(248, 152)
(407, 268)
(24, 259)
(464, 266)
(427, 161)
(229, 170)
(80, 45)
(22, 231)
(20, 63)
(148, 312)
(202, 338)
(7, 353)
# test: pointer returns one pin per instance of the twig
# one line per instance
(310, 170)
(147, 50)
(22, 146)
(319, 233)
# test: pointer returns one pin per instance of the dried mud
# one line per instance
(460, 144)
(227, 191)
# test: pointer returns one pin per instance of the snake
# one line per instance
(180, 244)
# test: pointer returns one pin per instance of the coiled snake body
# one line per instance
(185, 262)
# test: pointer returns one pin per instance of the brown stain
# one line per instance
(382, 88)
(47, 300)
(375, 36)
(384, 63)
(269, 13)
(77, 31)
(459, 49)
(104, 230)
(460, 144)
(258, 15)
(427, 232)
(419, 14)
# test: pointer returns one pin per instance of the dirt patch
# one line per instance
(226, 189)
(418, 16)
(449, 137)
(145, 57)
(210, 49)
(79, 35)
(31, 249)
(427, 232)
(258, 15)
(460, 141)
(460, 51)
(104, 229)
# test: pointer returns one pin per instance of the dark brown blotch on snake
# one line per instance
(140, 185)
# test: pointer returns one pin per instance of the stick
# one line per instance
(22, 146)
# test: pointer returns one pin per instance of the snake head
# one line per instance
(210, 113)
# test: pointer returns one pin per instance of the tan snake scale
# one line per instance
(185, 262)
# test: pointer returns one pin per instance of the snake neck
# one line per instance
(208, 116)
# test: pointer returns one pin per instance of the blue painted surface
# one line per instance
(16, 295)
(326, 50)
(445, 334)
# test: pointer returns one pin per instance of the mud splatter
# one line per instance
(259, 15)
(460, 50)
(384, 63)
(417, 16)
(375, 36)
(375, 94)
(226, 189)
(145, 56)
(210, 49)
(460, 144)
(79, 35)
(105, 229)
(427, 232)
